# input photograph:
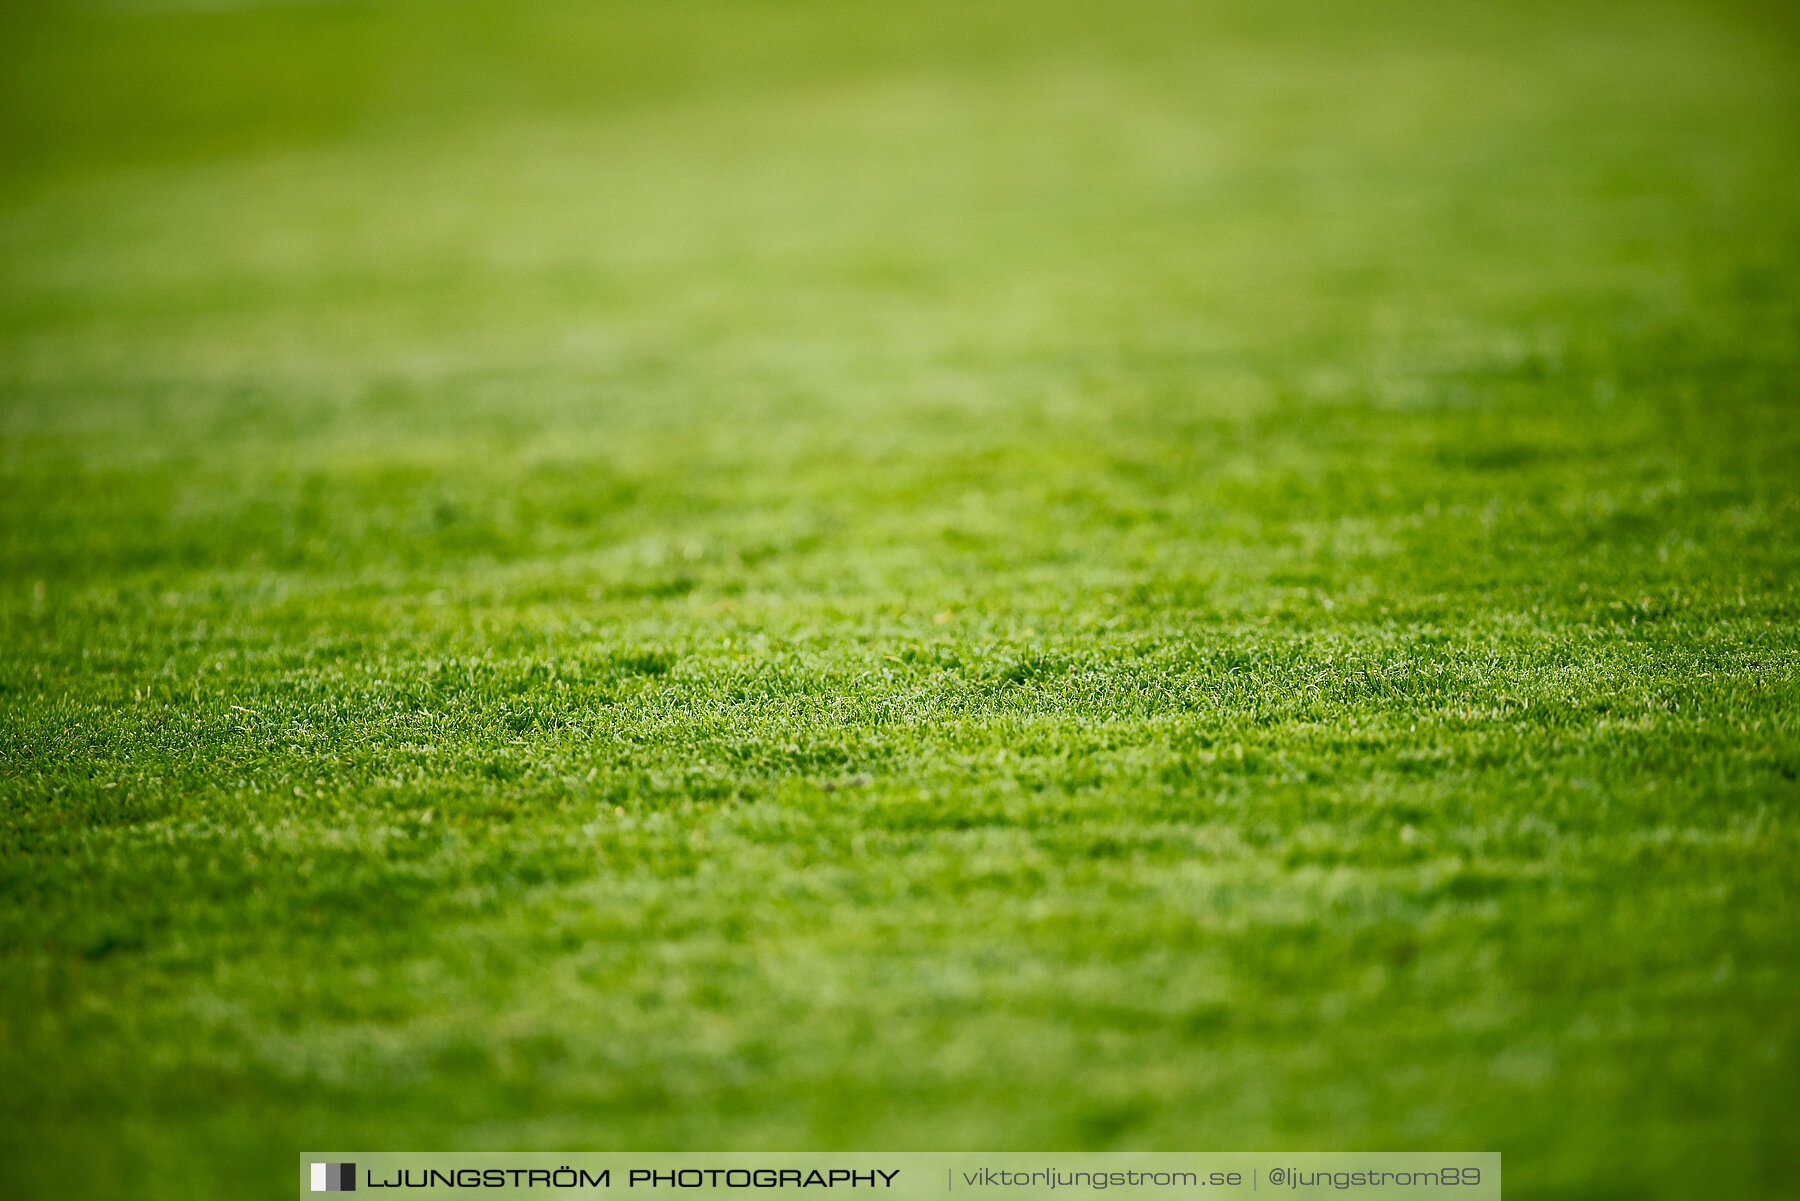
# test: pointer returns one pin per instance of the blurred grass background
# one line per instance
(854, 574)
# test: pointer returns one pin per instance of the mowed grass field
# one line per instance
(900, 575)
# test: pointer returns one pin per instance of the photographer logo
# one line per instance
(334, 1178)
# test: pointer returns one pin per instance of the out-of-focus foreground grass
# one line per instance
(1150, 574)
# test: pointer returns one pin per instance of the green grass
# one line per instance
(881, 576)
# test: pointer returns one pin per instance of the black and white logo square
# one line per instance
(334, 1178)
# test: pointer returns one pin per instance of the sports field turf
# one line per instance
(897, 575)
